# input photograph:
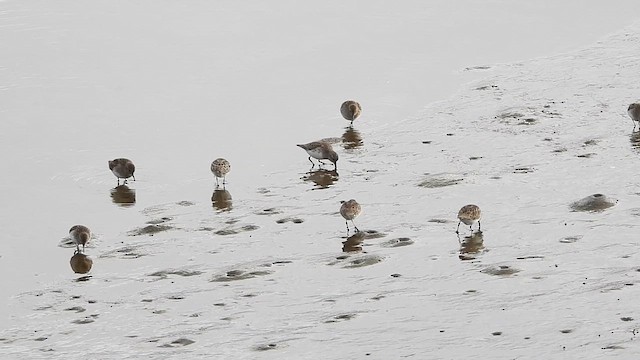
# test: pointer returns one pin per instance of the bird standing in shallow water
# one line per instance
(634, 113)
(220, 168)
(350, 110)
(469, 215)
(320, 150)
(122, 168)
(81, 235)
(349, 211)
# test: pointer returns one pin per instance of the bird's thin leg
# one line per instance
(224, 180)
(346, 223)
(458, 228)
(124, 182)
(118, 181)
(217, 184)
(479, 226)
(83, 248)
(354, 225)
(134, 178)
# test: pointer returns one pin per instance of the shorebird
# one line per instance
(469, 215)
(220, 168)
(320, 150)
(350, 110)
(80, 263)
(349, 211)
(634, 113)
(81, 235)
(122, 169)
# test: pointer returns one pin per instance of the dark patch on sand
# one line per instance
(440, 221)
(502, 270)
(150, 230)
(341, 317)
(233, 231)
(290, 219)
(179, 342)
(233, 275)
(527, 121)
(362, 261)
(126, 252)
(586, 156)
(86, 320)
(163, 274)
(77, 309)
(269, 211)
(570, 239)
(397, 242)
(185, 203)
(265, 347)
(161, 220)
(438, 182)
(593, 203)
(373, 234)
(523, 170)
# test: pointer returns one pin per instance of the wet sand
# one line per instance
(265, 267)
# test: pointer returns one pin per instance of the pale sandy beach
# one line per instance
(519, 108)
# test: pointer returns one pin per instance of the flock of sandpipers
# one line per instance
(320, 150)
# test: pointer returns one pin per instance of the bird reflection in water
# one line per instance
(634, 138)
(123, 195)
(471, 246)
(351, 139)
(80, 263)
(353, 242)
(321, 177)
(221, 199)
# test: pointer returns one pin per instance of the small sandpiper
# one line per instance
(81, 235)
(123, 169)
(469, 215)
(634, 113)
(349, 211)
(350, 110)
(220, 168)
(320, 150)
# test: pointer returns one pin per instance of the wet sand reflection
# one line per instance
(321, 177)
(80, 263)
(221, 199)
(471, 246)
(123, 195)
(351, 139)
(634, 138)
(353, 242)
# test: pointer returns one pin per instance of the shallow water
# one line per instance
(265, 267)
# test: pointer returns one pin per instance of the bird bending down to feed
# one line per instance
(320, 150)
(350, 110)
(122, 169)
(469, 215)
(220, 168)
(349, 211)
(81, 235)
(634, 113)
